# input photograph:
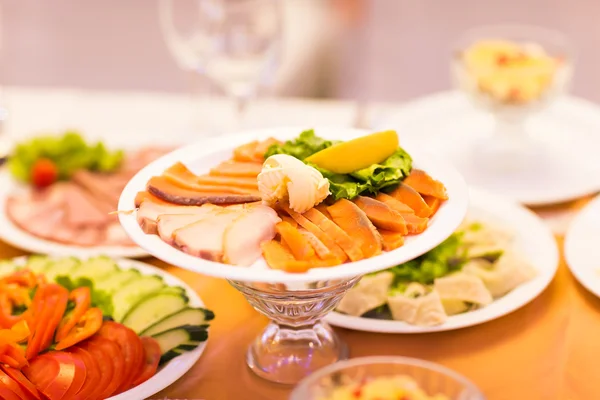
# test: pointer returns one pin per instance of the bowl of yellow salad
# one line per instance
(512, 66)
(386, 378)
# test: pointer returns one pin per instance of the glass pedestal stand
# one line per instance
(296, 342)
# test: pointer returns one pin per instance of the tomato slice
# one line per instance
(22, 380)
(83, 299)
(131, 348)
(41, 371)
(80, 372)
(52, 374)
(110, 353)
(152, 355)
(10, 389)
(89, 323)
(92, 383)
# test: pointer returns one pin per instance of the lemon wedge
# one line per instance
(356, 154)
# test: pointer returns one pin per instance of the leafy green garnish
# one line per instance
(100, 299)
(302, 147)
(438, 262)
(69, 152)
(347, 186)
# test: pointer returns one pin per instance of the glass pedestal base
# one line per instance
(296, 342)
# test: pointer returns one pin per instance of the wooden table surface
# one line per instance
(547, 350)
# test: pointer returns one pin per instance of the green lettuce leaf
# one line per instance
(100, 299)
(302, 147)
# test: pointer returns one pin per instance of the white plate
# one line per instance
(565, 165)
(581, 246)
(15, 236)
(174, 369)
(200, 157)
(533, 240)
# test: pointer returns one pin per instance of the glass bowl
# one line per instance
(432, 378)
(512, 83)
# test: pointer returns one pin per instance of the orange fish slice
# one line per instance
(355, 223)
(407, 195)
(319, 233)
(322, 251)
(237, 169)
(278, 256)
(415, 224)
(298, 244)
(262, 147)
(323, 209)
(350, 247)
(394, 204)
(391, 240)
(381, 215)
(426, 185)
(434, 203)
(246, 152)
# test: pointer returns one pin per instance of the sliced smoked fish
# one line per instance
(237, 168)
(227, 181)
(167, 224)
(350, 247)
(323, 209)
(355, 222)
(391, 240)
(164, 189)
(262, 147)
(322, 251)
(426, 185)
(289, 220)
(434, 204)
(319, 233)
(415, 224)
(204, 238)
(242, 238)
(407, 195)
(394, 204)
(181, 176)
(247, 152)
(298, 243)
(278, 256)
(143, 195)
(381, 215)
(148, 213)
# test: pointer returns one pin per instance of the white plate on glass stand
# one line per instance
(174, 369)
(200, 157)
(581, 246)
(532, 239)
(15, 236)
(566, 166)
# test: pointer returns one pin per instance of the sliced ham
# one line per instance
(243, 238)
(204, 238)
(116, 235)
(94, 183)
(82, 209)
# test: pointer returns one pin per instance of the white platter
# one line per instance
(200, 157)
(533, 240)
(174, 369)
(15, 236)
(581, 246)
(563, 166)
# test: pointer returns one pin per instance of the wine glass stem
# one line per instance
(241, 110)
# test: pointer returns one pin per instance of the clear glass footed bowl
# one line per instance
(296, 342)
(432, 378)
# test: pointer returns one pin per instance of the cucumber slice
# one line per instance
(114, 281)
(186, 316)
(153, 308)
(62, 266)
(7, 267)
(95, 268)
(132, 292)
(38, 264)
(171, 340)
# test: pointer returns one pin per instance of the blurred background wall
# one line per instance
(390, 50)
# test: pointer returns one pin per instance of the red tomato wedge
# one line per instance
(10, 389)
(69, 360)
(91, 386)
(152, 355)
(89, 323)
(107, 352)
(82, 298)
(22, 380)
(131, 348)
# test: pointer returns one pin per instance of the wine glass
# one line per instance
(513, 72)
(235, 44)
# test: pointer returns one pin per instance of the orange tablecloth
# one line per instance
(549, 349)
